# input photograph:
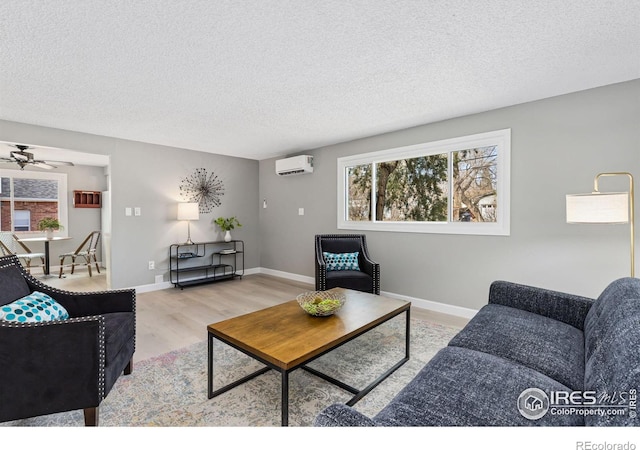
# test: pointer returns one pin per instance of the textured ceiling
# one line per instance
(261, 78)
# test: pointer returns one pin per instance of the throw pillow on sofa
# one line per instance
(35, 307)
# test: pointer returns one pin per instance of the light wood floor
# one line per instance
(79, 281)
(172, 318)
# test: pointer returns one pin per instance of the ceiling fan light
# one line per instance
(22, 158)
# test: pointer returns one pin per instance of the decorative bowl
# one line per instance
(321, 303)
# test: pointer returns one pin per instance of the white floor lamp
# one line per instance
(604, 207)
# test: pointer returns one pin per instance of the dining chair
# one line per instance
(86, 251)
(11, 245)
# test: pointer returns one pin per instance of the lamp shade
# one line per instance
(598, 207)
(188, 211)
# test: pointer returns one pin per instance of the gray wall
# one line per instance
(149, 176)
(558, 146)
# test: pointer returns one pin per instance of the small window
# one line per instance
(22, 220)
(27, 197)
(458, 186)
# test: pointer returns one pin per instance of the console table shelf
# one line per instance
(205, 262)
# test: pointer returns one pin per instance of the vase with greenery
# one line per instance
(226, 225)
(48, 225)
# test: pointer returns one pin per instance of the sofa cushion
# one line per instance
(14, 286)
(551, 347)
(612, 336)
(568, 308)
(341, 415)
(341, 261)
(463, 387)
(35, 307)
(598, 321)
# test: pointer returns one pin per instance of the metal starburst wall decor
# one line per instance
(202, 188)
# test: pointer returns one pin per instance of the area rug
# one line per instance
(171, 390)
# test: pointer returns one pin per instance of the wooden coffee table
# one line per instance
(285, 338)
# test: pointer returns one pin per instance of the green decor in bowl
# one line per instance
(321, 303)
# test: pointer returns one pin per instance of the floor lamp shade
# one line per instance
(598, 207)
(605, 207)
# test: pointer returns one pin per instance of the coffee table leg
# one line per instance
(359, 393)
(285, 398)
(210, 365)
(407, 334)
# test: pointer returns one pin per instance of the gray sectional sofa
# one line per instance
(530, 357)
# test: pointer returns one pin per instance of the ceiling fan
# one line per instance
(22, 158)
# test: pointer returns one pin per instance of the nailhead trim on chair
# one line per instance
(101, 376)
(101, 339)
(321, 272)
(14, 261)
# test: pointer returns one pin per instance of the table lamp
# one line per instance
(188, 212)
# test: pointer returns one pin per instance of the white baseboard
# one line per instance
(253, 271)
(452, 310)
(288, 275)
(166, 284)
(153, 287)
(444, 308)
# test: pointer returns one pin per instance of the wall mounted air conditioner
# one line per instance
(296, 165)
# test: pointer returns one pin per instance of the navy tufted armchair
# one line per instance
(62, 365)
(367, 279)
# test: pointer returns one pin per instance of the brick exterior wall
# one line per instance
(39, 210)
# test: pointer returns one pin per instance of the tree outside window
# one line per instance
(449, 183)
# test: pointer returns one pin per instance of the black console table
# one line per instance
(205, 262)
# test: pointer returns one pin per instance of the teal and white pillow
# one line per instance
(341, 261)
(35, 307)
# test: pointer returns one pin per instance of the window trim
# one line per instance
(63, 198)
(499, 138)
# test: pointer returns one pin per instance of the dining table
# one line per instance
(46, 241)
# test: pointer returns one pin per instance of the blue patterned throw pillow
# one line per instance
(341, 261)
(35, 307)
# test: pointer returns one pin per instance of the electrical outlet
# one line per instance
(152, 265)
